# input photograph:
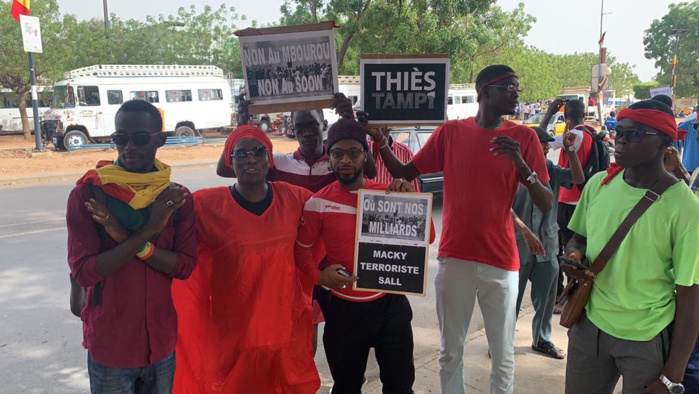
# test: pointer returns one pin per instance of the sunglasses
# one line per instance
(339, 154)
(139, 139)
(632, 135)
(241, 154)
(510, 88)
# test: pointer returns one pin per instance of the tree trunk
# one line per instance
(23, 94)
(343, 51)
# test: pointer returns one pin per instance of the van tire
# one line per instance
(73, 139)
(186, 129)
(265, 126)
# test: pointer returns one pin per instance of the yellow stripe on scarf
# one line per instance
(145, 188)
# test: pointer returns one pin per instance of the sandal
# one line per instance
(558, 308)
(549, 349)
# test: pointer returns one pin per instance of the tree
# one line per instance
(641, 90)
(14, 66)
(661, 47)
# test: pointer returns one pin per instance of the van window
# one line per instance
(210, 94)
(150, 95)
(450, 101)
(173, 96)
(457, 99)
(88, 96)
(115, 97)
(468, 99)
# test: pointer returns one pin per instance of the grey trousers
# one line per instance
(596, 360)
(543, 275)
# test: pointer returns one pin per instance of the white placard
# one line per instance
(31, 33)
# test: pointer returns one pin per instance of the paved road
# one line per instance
(40, 340)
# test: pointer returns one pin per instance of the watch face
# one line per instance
(678, 389)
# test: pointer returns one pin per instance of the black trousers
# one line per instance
(565, 213)
(352, 328)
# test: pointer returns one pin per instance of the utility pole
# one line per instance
(676, 33)
(106, 18)
(600, 93)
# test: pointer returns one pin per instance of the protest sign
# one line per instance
(393, 233)
(405, 89)
(290, 68)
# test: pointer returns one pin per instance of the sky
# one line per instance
(553, 31)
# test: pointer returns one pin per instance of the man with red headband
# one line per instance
(246, 318)
(484, 160)
(648, 292)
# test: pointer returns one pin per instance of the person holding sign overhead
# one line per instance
(355, 321)
(484, 159)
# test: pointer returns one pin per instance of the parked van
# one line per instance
(462, 102)
(191, 99)
(10, 117)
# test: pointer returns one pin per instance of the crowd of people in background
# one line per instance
(221, 290)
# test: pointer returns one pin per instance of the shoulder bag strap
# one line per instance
(652, 195)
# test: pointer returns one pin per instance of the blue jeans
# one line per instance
(152, 379)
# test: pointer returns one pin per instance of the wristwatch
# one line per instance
(674, 388)
(532, 178)
(571, 148)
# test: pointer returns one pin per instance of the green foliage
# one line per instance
(661, 46)
(642, 90)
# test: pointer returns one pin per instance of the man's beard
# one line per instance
(347, 181)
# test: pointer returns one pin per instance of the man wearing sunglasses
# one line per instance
(126, 248)
(642, 315)
(484, 159)
(355, 321)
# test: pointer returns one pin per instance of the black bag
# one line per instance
(599, 157)
(78, 293)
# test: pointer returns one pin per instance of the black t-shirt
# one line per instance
(256, 208)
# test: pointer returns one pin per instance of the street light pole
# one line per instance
(600, 94)
(106, 18)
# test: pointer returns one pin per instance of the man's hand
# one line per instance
(374, 132)
(657, 387)
(534, 245)
(555, 106)
(510, 148)
(401, 185)
(167, 203)
(330, 278)
(343, 106)
(572, 271)
(568, 138)
(672, 160)
(111, 225)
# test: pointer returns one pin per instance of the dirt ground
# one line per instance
(17, 159)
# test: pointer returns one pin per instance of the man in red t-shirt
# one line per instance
(355, 321)
(484, 159)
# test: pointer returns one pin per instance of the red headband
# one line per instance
(653, 118)
(242, 133)
(500, 78)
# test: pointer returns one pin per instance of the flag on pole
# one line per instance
(601, 39)
(20, 7)
(674, 62)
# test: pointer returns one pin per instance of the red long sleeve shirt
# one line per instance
(135, 323)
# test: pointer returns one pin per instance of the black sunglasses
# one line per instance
(139, 139)
(632, 135)
(241, 154)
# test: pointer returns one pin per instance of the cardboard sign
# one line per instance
(289, 68)
(392, 250)
(405, 89)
